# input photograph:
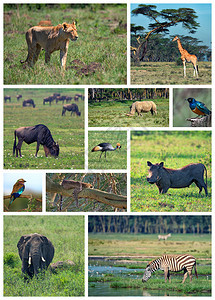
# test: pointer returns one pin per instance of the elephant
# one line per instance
(36, 253)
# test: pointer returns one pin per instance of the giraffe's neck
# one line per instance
(180, 48)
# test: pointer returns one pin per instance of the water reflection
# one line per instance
(103, 288)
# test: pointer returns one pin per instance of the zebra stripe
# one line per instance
(173, 263)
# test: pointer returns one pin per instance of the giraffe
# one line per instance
(186, 57)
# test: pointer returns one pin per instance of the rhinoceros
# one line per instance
(166, 178)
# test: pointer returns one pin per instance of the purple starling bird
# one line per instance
(198, 107)
(18, 189)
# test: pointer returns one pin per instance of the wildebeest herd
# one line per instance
(73, 108)
(61, 98)
(40, 133)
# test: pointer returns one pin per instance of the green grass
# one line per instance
(114, 114)
(197, 286)
(175, 149)
(202, 285)
(169, 73)
(67, 235)
(66, 130)
(25, 205)
(115, 159)
(102, 39)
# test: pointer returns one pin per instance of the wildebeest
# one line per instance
(68, 99)
(142, 107)
(18, 97)
(76, 98)
(49, 99)
(61, 98)
(71, 107)
(38, 133)
(29, 102)
(7, 98)
(166, 178)
(56, 94)
(80, 96)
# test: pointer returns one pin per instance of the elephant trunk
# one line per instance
(36, 261)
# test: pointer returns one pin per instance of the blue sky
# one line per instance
(33, 182)
(203, 11)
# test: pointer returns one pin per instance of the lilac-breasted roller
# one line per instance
(18, 189)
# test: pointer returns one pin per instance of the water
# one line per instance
(101, 289)
(97, 270)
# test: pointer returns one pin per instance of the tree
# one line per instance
(161, 22)
(104, 196)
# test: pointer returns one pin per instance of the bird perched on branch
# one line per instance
(104, 147)
(18, 189)
(198, 107)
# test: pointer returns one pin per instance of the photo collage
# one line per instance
(106, 146)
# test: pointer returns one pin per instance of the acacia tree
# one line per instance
(161, 22)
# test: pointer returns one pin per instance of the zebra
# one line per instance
(164, 237)
(173, 263)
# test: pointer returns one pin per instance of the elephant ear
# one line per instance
(21, 244)
(47, 250)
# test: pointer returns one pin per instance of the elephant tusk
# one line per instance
(43, 259)
(29, 260)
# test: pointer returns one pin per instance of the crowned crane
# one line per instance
(104, 147)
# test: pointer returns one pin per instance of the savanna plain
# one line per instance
(67, 130)
(169, 73)
(117, 262)
(113, 114)
(67, 235)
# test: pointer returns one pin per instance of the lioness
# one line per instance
(51, 39)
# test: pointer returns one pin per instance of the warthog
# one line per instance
(166, 178)
(38, 133)
(71, 107)
(142, 107)
(29, 102)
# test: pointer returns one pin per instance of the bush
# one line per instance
(11, 259)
